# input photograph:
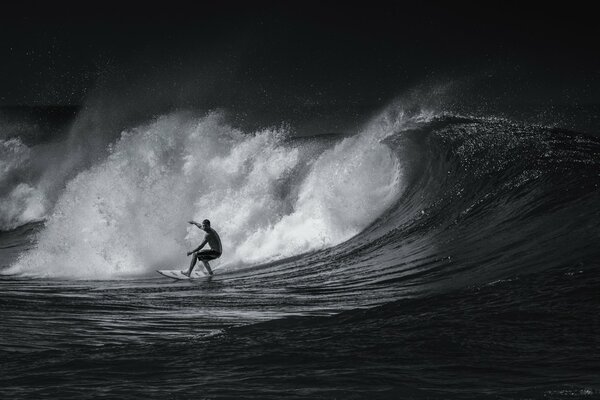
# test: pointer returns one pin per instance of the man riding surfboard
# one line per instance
(214, 242)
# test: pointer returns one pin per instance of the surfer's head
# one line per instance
(206, 223)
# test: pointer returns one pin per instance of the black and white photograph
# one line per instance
(300, 200)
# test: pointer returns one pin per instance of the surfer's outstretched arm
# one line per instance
(195, 223)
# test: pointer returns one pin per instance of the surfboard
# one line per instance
(176, 274)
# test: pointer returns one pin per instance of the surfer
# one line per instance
(213, 240)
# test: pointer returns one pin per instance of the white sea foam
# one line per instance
(20, 202)
(23, 204)
(267, 197)
(13, 155)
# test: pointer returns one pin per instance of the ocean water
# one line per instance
(426, 255)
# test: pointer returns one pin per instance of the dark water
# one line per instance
(481, 281)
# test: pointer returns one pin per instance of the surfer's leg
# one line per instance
(205, 256)
(192, 263)
(207, 266)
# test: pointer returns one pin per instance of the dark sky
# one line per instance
(298, 52)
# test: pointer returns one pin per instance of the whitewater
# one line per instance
(270, 196)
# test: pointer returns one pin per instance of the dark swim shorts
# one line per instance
(207, 255)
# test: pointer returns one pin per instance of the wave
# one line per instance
(483, 200)
(416, 200)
